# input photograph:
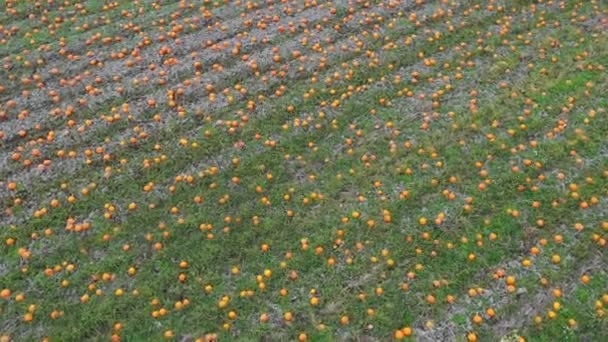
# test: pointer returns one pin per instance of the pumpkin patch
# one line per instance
(303, 170)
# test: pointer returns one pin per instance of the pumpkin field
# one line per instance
(303, 170)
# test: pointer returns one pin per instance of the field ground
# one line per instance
(303, 170)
